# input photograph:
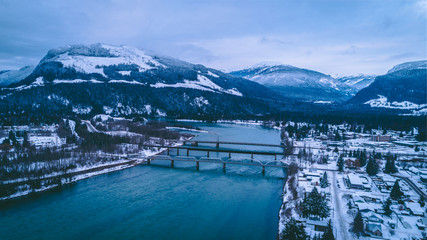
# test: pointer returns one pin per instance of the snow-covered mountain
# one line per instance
(12, 76)
(409, 66)
(294, 82)
(99, 78)
(353, 84)
(403, 87)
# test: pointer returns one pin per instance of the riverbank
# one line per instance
(84, 172)
(59, 179)
(291, 200)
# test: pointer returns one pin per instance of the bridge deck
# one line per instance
(217, 160)
(201, 149)
(237, 143)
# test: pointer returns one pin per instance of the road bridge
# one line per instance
(224, 161)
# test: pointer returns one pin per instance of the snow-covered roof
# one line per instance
(354, 179)
(414, 207)
(358, 199)
(373, 227)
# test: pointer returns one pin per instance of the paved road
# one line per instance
(338, 208)
(413, 185)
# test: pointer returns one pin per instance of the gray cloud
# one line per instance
(331, 36)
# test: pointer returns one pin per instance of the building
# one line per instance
(381, 138)
(317, 225)
(354, 181)
(373, 218)
(374, 229)
(414, 208)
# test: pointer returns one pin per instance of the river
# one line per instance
(158, 202)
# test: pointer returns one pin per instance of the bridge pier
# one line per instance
(229, 154)
(223, 167)
(252, 155)
(275, 157)
(172, 163)
(177, 151)
(197, 165)
(263, 170)
(208, 154)
(148, 161)
(168, 151)
(188, 152)
(217, 145)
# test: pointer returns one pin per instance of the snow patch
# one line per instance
(203, 83)
(56, 81)
(127, 82)
(383, 102)
(212, 74)
(160, 113)
(82, 109)
(200, 101)
(121, 55)
(323, 102)
(125, 73)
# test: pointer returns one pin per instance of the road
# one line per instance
(413, 185)
(339, 217)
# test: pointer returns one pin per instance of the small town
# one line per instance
(367, 185)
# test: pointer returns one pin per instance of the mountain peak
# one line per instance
(90, 59)
(409, 66)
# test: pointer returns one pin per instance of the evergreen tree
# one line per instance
(324, 181)
(387, 207)
(293, 231)
(362, 158)
(329, 233)
(416, 149)
(317, 237)
(12, 138)
(340, 164)
(358, 227)
(372, 167)
(396, 193)
(390, 166)
(26, 143)
(315, 204)
(422, 201)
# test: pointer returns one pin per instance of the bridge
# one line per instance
(217, 144)
(208, 150)
(186, 156)
(223, 161)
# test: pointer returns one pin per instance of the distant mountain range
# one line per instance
(403, 87)
(99, 78)
(8, 77)
(353, 84)
(304, 84)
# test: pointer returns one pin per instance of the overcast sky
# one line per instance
(331, 36)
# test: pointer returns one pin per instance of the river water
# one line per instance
(158, 202)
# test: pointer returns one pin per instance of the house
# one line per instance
(374, 229)
(354, 181)
(414, 170)
(381, 138)
(364, 207)
(373, 218)
(415, 208)
(358, 199)
(319, 226)
(421, 223)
